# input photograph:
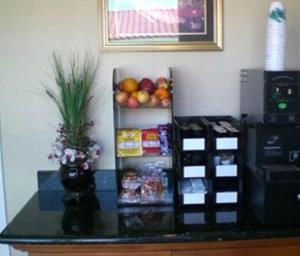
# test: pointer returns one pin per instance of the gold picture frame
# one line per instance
(168, 25)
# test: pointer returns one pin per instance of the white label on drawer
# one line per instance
(194, 198)
(194, 218)
(226, 217)
(193, 144)
(226, 197)
(194, 171)
(226, 143)
(226, 171)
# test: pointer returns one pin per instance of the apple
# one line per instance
(165, 102)
(147, 85)
(142, 96)
(154, 100)
(120, 86)
(162, 83)
(121, 97)
(132, 102)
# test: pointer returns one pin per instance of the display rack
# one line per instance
(143, 117)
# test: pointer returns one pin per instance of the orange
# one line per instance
(162, 93)
(130, 85)
(134, 94)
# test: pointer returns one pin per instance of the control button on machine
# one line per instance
(282, 105)
(276, 93)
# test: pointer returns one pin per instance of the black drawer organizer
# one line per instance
(208, 161)
(226, 147)
(191, 161)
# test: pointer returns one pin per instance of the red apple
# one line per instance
(142, 96)
(165, 102)
(162, 83)
(120, 86)
(132, 102)
(147, 85)
(121, 97)
(154, 100)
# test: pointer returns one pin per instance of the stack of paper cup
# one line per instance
(276, 38)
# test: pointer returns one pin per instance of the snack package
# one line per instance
(152, 187)
(129, 142)
(226, 158)
(165, 139)
(191, 186)
(129, 196)
(150, 141)
(130, 180)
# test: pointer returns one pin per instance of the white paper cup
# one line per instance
(275, 38)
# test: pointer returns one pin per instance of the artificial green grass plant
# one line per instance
(72, 96)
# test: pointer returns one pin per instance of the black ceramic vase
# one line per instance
(76, 181)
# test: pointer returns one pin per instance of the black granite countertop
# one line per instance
(46, 219)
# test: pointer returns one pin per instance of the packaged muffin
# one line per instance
(130, 180)
(129, 196)
(152, 189)
(152, 183)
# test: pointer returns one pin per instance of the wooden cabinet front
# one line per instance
(273, 247)
(103, 254)
(274, 251)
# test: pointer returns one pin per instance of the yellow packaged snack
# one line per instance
(129, 142)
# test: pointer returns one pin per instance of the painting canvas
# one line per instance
(146, 24)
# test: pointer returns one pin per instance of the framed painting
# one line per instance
(162, 25)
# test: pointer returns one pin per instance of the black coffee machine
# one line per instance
(270, 108)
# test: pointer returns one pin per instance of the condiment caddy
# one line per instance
(210, 155)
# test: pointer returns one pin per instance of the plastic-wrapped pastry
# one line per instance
(129, 196)
(131, 180)
(152, 189)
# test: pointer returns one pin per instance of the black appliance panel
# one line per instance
(270, 97)
(275, 203)
(269, 144)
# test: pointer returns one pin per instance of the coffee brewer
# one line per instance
(270, 108)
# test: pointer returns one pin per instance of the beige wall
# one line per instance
(206, 82)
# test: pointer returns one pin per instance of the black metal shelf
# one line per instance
(142, 156)
(143, 116)
(124, 108)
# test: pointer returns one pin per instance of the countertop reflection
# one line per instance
(46, 219)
